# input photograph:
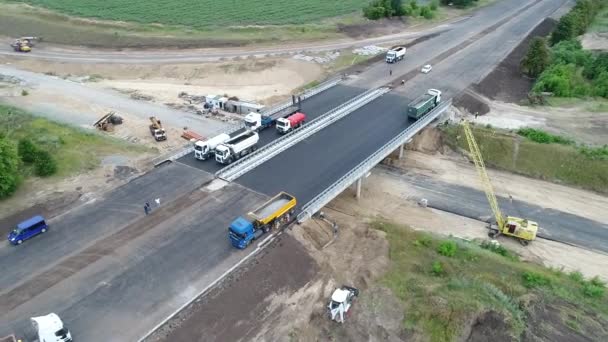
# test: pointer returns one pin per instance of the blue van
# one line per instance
(27, 229)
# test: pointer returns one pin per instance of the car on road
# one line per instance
(426, 69)
(27, 230)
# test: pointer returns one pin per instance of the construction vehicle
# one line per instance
(236, 148)
(522, 229)
(286, 125)
(424, 104)
(395, 54)
(205, 149)
(257, 122)
(341, 301)
(24, 44)
(273, 214)
(50, 328)
(157, 130)
(108, 121)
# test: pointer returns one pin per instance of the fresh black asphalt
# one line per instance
(313, 107)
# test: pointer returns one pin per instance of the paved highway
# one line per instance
(313, 107)
(470, 202)
(114, 276)
(112, 273)
(312, 165)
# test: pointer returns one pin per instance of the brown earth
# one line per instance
(506, 82)
(236, 308)
(472, 104)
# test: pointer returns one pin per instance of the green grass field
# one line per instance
(552, 162)
(206, 13)
(444, 283)
(75, 149)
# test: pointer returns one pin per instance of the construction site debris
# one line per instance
(108, 121)
(192, 136)
(329, 56)
(369, 50)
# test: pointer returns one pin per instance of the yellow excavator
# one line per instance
(24, 44)
(522, 229)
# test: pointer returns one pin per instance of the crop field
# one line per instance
(202, 14)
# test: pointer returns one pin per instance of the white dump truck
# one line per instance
(206, 149)
(395, 54)
(236, 148)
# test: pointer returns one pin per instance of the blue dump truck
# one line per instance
(424, 104)
(273, 214)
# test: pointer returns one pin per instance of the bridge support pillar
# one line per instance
(401, 149)
(358, 194)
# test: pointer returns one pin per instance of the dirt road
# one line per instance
(209, 55)
(83, 104)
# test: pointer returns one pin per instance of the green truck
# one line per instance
(424, 104)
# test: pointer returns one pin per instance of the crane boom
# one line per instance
(483, 175)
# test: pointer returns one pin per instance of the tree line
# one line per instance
(379, 9)
(560, 65)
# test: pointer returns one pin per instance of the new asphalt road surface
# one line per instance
(112, 273)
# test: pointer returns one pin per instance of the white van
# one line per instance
(50, 329)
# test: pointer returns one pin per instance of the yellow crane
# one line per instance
(522, 229)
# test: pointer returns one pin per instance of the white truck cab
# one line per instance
(205, 149)
(253, 120)
(50, 329)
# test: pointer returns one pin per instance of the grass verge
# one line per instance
(74, 149)
(444, 292)
(559, 163)
(594, 105)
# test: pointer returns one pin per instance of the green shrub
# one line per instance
(593, 291)
(534, 280)
(447, 248)
(27, 150)
(434, 5)
(9, 168)
(571, 52)
(543, 137)
(595, 153)
(24, 92)
(426, 12)
(424, 240)
(498, 249)
(563, 80)
(44, 164)
(437, 268)
(577, 277)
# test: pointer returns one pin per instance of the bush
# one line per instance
(424, 240)
(447, 248)
(534, 280)
(437, 268)
(27, 150)
(24, 92)
(562, 80)
(434, 5)
(9, 168)
(600, 85)
(571, 52)
(498, 249)
(426, 12)
(543, 137)
(593, 291)
(595, 153)
(577, 277)
(44, 164)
